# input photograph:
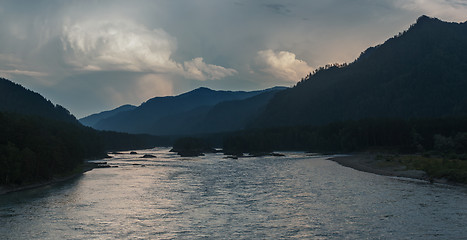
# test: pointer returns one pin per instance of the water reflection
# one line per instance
(290, 197)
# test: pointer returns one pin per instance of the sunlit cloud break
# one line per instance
(125, 45)
(283, 64)
(199, 70)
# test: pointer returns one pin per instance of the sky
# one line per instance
(90, 56)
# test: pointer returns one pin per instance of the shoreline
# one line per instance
(367, 162)
(10, 189)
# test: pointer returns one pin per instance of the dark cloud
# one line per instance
(278, 8)
(116, 52)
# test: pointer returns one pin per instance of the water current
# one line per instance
(210, 197)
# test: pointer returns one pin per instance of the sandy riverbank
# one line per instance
(367, 162)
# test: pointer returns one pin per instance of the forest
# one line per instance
(420, 73)
(33, 148)
(441, 141)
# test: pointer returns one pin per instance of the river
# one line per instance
(210, 197)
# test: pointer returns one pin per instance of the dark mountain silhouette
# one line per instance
(235, 115)
(172, 115)
(40, 140)
(91, 120)
(223, 117)
(14, 98)
(421, 72)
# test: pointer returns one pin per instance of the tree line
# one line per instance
(447, 135)
(33, 148)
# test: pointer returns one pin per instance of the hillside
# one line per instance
(15, 98)
(235, 115)
(93, 119)
(419, 73)
(182, 114)
(223, 117)
(40, 140)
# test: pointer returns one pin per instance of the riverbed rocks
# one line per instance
(191, 147)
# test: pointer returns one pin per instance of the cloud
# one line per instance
(126, 46)
(122, 45)
(199, 70)
(451, 10)
(277, 8)
(8, 73)
(283, 65)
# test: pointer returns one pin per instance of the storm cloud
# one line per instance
(95, 55)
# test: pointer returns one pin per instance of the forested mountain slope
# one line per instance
(419, 73)
(40, 140)
(171, 115)
(17, 99)
(93, 119)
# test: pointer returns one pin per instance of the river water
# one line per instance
(296, 196)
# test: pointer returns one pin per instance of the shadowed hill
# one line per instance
(223, 117)
(180, 114)
(40, 140)
(421, 72)
(15, 98)
(93, 119)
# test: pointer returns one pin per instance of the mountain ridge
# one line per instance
(418, 73)
(144, 118)
(18, 99)
(96, 117)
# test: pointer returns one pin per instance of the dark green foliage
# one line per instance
(452, 169)
(15, 98)
(419, 73)
(400, 135)
(39, 140)
(34, 148)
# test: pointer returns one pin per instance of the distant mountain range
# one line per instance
(420, 73)
(93, 119)
(14, 98)
(202, 110)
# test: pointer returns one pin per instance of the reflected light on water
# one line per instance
(211, 197)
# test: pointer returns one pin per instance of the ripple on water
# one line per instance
(211, 197)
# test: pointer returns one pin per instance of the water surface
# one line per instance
(210, 197)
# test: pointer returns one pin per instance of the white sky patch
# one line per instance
(124, 45)
(447, 10)
(283, 65)
(151, 85)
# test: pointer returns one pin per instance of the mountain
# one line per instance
(235, 115)
(174, 114)
(420, 73)
(223, 117)
(14, 98)
(93, 119)
(40, 141)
